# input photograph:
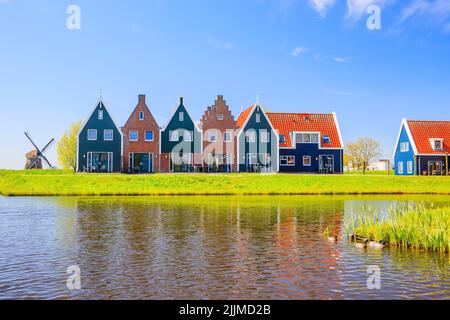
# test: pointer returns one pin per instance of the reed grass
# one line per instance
(418, 228)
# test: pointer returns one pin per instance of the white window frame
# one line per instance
(109, 131)
(230, 133)
(141, 113)
(310, 161)
(258, 117)
(89, 131)
(153, 135)
(404, 147)
(433, 144)
(248, 134)
(400, 168)
(212, 136)
(172, 134)
(220, 117)
(286, 158)
(137, 135)
(189, 138)
(100, 114)
(300, 137)
(181, 116)
(264, 134)
(409, 167)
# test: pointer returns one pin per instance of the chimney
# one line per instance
(142, 99)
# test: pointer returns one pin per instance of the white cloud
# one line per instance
(297, 51)
(340, 60)
(436, 12)
(357, 8)
(322, 6)
(216, 43)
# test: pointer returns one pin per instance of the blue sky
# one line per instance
(297, 55)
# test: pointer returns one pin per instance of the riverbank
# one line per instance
(63, 183)
(420, 228)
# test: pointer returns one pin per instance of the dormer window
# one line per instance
(282, 139)
(437, 144)
(100, 114)
(326, 139)
(141, 115)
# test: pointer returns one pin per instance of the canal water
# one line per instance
(206, 248)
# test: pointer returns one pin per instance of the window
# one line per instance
(307, 161)
(148, 135)
(250, 136)
(100, 114)
(400, 167)
(92, 134)
(410, 167)
(188, 136)
(282, 139)
(228, 136)
(404, 147)
(220, 117)
(133, 135)
(212, 136)
(173, 135)
(307, 138)
(108, 135)
(181, 116)
(141, 115)
(287, 161)
(258, 117)
(264, 136)
(326, 139)
(436, 144)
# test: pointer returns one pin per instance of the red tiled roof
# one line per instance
(243, 117)
(286, 123)
(423, 131)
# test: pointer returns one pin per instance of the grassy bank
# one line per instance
(62, 183)
(420, 228)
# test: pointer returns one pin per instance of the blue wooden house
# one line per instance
(99, 143)
(422, 148)
(181, 143)
(309, 143)
(257, 142)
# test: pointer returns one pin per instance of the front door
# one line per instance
(141, 163)
(326, 164)
(100, 161)
(435, 168)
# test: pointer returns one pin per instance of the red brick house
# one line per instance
(141, 141)
(219, 139)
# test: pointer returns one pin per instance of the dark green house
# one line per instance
(181, 143)
(257, 142)
(99, 143)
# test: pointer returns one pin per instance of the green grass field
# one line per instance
(63, 183)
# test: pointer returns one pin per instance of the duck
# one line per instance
(378, 245)
(333, 239)
(362, 245)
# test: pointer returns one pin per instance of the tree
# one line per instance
(67, 147)
(362, 152)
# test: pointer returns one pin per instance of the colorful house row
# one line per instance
(258, 141)
(422, 148)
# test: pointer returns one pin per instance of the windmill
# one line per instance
(36, 157)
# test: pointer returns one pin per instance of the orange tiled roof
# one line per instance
(286, 123)
(423, 131)
(243, 117)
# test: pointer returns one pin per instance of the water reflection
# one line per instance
(203, 248)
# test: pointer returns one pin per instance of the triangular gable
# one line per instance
(405, 125)
(135, 110)
(174, 113)
(100, 104)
